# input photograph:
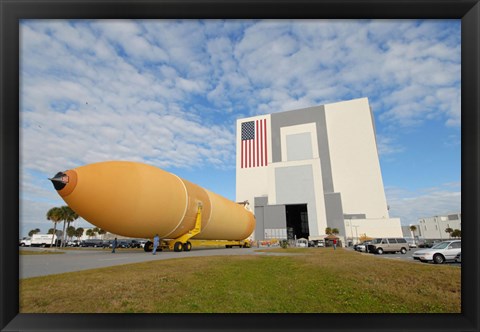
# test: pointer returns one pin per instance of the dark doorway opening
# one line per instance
(297, 221)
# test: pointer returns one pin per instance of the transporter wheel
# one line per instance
(380, 251)
(178, 246)
(187, 246)
(403, 251)
(228, 246)
(438, 259)
(148, 247)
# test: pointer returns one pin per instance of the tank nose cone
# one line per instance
(64, 182)
(59, 181)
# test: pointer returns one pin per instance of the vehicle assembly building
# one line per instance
(308, 169)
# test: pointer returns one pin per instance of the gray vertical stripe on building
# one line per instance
(334, 210)
(298, 117)
(259, 224)
(295, 185)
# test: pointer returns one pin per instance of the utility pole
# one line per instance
(356, 231)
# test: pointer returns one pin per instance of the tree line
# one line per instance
(66, 215)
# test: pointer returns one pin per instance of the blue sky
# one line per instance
(168, 93)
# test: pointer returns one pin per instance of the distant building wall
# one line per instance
(434, 227)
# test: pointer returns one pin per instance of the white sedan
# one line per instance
(439, 253)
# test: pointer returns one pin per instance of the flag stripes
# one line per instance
(254, 144)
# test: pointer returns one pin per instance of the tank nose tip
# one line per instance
(65, 182)
(59, 181)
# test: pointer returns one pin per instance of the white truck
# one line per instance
(43, 240)
(25, 242)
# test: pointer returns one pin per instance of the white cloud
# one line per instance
(168, 92)
(411, 205)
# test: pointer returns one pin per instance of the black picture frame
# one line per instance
(12, 11)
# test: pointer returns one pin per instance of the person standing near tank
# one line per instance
(156, 242)
(114, 245)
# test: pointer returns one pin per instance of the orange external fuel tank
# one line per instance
(138, 200)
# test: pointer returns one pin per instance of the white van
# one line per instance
(303, 243)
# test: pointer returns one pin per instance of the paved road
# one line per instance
(85, 259)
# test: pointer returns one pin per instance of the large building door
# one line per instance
(297, 221)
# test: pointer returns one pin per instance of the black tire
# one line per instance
(380, 251)
(438, 259)
(148, 246)
(403, 251)
(228, 246)
(187, 246)
(178, 246)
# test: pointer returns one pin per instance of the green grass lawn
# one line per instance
(313, 281)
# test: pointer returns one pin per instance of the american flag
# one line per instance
(254, 144)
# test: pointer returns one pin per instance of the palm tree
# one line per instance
(34, 231)
(71, 232)
(335, 231)
(102, 232)
(413, 229)
(55, 215)
(457, 233)
(79, 232)
(328, 231)
(449, 231)
(68, 215)
(90, 233)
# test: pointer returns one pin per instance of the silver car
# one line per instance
(439, 253)
(458, 258)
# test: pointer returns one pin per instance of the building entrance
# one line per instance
(297, 221)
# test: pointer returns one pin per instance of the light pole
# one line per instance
(356, 232)
(351, 231)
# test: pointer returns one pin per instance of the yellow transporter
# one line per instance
(138, 200)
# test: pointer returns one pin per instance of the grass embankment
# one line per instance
(314, 281)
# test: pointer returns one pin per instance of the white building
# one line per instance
(433, 228)
(308, 169)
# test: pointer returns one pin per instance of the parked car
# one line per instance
(92, 243)
(302, 242)
(439, 253)
(458, 258)
(362, 246)
(120, 244)
(74, 243)
(411, 242)
(395, 244)
(106, 243)
(135, 244)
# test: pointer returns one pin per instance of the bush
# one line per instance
(284, 244)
